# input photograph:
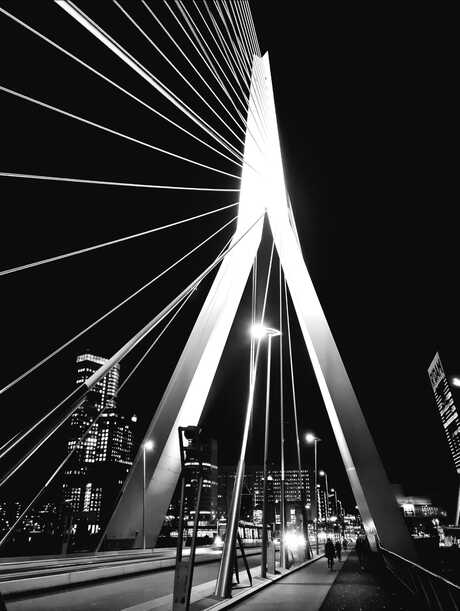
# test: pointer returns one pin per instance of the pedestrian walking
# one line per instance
(330, 553)
(338, 550)
(362, 549)
(345, 544)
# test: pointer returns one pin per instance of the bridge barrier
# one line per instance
(431, 591)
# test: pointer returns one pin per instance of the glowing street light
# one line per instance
(324, 474)
(260, 332)
(311, 438)
(146, 447)
(456, 382)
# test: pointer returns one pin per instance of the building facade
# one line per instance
(103, 458)
(449, 415)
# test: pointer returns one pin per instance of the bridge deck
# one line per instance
(315, 587)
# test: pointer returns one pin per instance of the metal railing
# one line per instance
(431, 591)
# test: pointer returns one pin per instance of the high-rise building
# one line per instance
(449, 414)
(294, 483)
(102, 460)
(208, 501)
(252, 494)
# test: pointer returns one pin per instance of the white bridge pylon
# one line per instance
(262, 190)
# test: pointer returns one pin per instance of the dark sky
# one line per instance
(365, 110)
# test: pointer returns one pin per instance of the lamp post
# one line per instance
(146, 447)
(310, 438)
(259, 332)
(334, 492)
(324, 474)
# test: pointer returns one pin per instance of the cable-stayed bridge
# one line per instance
(209, 88)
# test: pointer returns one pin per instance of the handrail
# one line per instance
(432, 591)
(420, 568)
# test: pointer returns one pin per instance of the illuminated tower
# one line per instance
(100, 462)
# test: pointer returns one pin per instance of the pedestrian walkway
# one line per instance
(303, 589)
(347, 588)
(366, 590)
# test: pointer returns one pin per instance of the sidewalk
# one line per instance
(366, 590)
(304, 589)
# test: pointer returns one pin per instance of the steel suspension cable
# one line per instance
(219, 46)
(111, 183)
(97, 31)
(252, 26)
(241, 37)
(112, 310)
(235, 55)
(247, 35)
(216, 77)
(74, 399)
(112, 131)
(222, 47)
(156, 47)
(227, 54)
(197, 72)
(241, 8)
(116, 85)
(282, 434)
(242, 67)
(294, 400)
(195, 31)
(111, 242)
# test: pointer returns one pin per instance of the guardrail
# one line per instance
(430, 590)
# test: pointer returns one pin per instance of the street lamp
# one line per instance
(310, 438)
(334, 492)
(259, 332)
(146, 447)
(324, 474)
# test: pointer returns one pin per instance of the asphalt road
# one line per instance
(115, 594)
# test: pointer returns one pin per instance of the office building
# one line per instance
(102, 460)
(449, 415)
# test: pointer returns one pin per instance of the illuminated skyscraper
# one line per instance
(449, 414)
(101, 462)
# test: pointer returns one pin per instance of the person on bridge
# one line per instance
(338, 550)
(362, 549)
(330, 553)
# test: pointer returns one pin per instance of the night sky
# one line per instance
(365, 111)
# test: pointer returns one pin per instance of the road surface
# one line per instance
(116, 594)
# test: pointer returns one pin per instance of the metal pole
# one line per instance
(282, 500)
(143, 498)
(316, 495)
(224, 575)
(327, 498)
(263, 571)
(193, 545)
(457, 513)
